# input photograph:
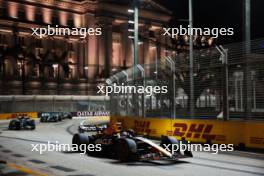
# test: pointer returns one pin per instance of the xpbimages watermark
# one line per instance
(147, 90)
(214, 32)
(214, 148)
(57, 147)
(50, 31)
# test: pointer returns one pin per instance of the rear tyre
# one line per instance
(126, 149)
(166, 140)
(79, 139)
(187, 152)
(11, 125)
(55, 119)
(17, 125)
(33, 126)
(169, 141)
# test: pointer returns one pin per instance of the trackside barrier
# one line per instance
(5, 116)
(246, 133)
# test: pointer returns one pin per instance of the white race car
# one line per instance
(85, 126)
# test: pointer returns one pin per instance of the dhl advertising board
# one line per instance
(6, 116)
(250, 134)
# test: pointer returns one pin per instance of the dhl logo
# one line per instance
(194, 130)
(142, 126)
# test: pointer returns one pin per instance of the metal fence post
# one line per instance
(143, 95)
(109, 82)
(192, 101)
(172, 65)
(224, 59)
(126, 97)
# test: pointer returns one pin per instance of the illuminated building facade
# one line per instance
(70, 65)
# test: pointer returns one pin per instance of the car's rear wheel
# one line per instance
(126, 149)
(17, 125)
(33, 126)
(169, 141)
(79, 139)
(11, 125)
(187, 153)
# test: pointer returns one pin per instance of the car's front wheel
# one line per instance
(126, 149)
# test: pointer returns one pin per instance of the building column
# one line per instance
(125, 44)
(146, 41)
(91, 49)
(80, 56)
(161, 41)
(158, 48)
(105, 46)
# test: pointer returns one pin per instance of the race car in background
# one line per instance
(66, 115)
(50, 117)
(22, 122)
(85, 126)
(127, 146)
(54, 116)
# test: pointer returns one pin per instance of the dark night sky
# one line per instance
(219, 13)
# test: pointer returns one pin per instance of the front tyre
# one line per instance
(126, 149)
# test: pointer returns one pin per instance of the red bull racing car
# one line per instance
(127, 146)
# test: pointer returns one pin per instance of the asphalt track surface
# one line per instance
(15, 147)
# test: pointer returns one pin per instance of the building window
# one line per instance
(3, 41)
(39, 18)
(21, 15)
(55, 70)
(70, 75)
(19, 68)
(35, 72)
(21, 41)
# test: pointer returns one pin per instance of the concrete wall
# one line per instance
(48, 103)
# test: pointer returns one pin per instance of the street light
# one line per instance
(131, 22)
(130, 11)
(56, 73)
(55, 65)
(135, 31)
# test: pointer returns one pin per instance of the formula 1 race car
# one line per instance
(85, 126)
(50, 117)
(66, 115)
(126, 146)
(22, 122)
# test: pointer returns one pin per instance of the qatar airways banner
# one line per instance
(90, 113)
